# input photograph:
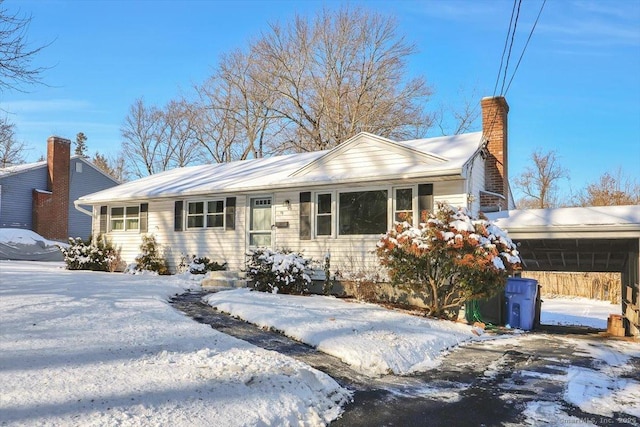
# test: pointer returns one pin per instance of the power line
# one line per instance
(513, 36)
(525, 46)
(504, 50)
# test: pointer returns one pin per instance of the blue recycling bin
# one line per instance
(520, 295)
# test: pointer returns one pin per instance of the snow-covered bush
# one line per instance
(97, 254)
(150, 258)
(449, 259)
(202, 265)
(278, 272)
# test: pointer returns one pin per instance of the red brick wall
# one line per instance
(494, 127)
(51, 211)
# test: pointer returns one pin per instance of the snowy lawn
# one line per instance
(576, 311)
(100, 349)
(369, 338)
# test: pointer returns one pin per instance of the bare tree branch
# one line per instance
(539, 182)
(16, 56)
(11, 151)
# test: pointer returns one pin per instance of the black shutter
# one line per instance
(144, 217)
(103, 219)
(425, 200)
(178, 213)
(230, 214)
(305, 215)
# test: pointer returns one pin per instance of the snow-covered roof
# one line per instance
(430, 157)
(15, 169)
(627, 216)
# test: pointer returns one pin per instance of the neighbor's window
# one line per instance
(403, 205)
(363, 212)
(205, 214)
(125, 218)
(323, 214)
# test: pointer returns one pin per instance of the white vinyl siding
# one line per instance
(348, 252)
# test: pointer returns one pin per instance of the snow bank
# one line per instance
(26, 245)
(371, 339)
(102, 349)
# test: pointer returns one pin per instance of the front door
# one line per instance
(260, 233)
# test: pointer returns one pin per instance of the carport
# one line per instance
(582, 239)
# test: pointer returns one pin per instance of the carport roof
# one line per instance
(574, 239)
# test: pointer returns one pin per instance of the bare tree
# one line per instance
(11, 151)
(177, 135)
(236, 110)
(16, 55)
(141, 145)
(539, 182)
(155, 140)
(114, 167)
(457, 118)
(336, 75)
(610, 190)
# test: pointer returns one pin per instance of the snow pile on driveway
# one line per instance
(103, 349)
(371, 339)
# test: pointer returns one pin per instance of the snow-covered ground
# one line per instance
(100, 349)
(375, 341)
(372, 340)
(577, 311)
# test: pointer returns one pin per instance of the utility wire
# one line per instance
(504, 50)
(525, 47)
(513, 36)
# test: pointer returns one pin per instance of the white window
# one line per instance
(209, 214)
(324, 214)
(125, 218)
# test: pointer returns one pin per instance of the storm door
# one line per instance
(260, 232)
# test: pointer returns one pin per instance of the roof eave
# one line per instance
(436, 176)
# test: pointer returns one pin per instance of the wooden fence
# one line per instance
(601, 286)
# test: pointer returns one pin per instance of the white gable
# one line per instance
(368, 155)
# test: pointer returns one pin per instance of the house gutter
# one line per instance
(81, 209)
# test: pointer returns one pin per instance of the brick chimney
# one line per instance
(494, 127)
(51, 206)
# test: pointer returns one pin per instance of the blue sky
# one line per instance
(576, 91)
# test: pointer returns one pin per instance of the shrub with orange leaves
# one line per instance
(449, 258)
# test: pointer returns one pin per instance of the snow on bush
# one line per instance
(97, 254)
(278, 272)
(450, 258)
(202, 265)
(150, 258)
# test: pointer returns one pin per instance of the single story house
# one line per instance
(337, 201)
(39, 196)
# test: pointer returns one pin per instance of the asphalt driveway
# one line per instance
(508, 382)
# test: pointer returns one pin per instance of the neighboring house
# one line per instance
(39, 196)
(337, 201)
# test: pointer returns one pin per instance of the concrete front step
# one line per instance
(224, 279)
